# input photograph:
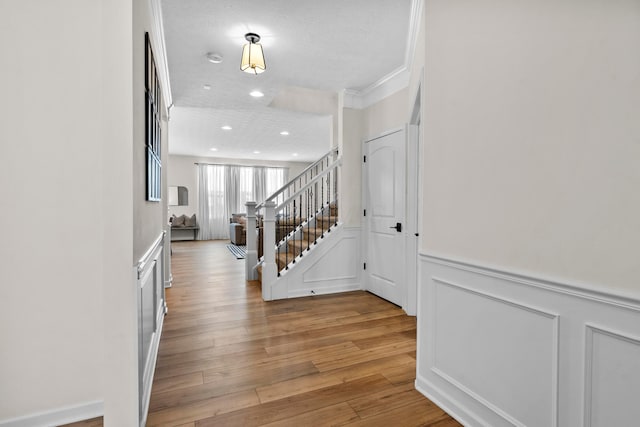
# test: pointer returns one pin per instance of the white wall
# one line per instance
(532, 137)
(529, 303)
(149, 218)
(120, 353)
(351, 172)
(67, 257)
(52, 315)
(391, 112)
(183, 171)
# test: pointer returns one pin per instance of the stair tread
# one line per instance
(315, 231)
(323, 222)
(297, 243)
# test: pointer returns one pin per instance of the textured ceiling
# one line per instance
(326, 45)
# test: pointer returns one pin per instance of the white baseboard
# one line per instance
(497, 348)
(443, 402)
(59, 416)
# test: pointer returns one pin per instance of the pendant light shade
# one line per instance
(252, 56)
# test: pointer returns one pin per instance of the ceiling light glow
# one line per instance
(207, 87)
(256, 94)
(284, 133)
(226, 127)
(213, 149)
(256, 152)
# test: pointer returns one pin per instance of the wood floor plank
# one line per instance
(301, 403)
(227, 358)
(202, 409)
(415, 414)
(295, 386)
(178, 382)
(93, 422)
(326, 363)
(376, 403)
(401, 374)
(228, 382)
(335, 415)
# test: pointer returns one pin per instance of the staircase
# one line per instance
(304, 238)
(291, 223)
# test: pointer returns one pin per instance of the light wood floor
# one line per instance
(227, 358)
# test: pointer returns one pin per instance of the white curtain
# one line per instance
(274, 179)
(259, 184)
(231, 190)
(224, 190)
(214, 219)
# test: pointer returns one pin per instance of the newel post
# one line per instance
(252, 243)
(269, 266)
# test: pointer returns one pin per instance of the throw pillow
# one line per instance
(190, 221)
(178, 221)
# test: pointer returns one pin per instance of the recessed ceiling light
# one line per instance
(295, 154)
(256, 152)
(226, 127)
(213, 149)
(256, 94)
(284, 133)
(215, 58)
(207, 87)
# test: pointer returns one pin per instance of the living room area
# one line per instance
(239, 181)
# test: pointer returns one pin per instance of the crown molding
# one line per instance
(414, 30)
(160, 51)
(396, 80)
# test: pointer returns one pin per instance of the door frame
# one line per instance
(414, 201)
(365, 202)
(412, 219)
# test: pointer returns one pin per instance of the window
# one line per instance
(225, 190)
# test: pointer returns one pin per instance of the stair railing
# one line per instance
(301, 179)
(292, 220)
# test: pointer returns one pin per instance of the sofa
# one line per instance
(238, 229)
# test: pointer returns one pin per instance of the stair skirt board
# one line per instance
(332, 266)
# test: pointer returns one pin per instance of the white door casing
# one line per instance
(385, 186)
(412, 215)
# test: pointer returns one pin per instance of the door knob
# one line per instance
(398, 227)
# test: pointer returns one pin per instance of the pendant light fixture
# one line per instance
(252, 56)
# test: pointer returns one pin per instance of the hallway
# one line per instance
(227, 358)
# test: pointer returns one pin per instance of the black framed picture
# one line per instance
(153, 131)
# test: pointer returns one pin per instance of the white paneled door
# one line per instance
(384, 199)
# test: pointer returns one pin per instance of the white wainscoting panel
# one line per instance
(342, 266)
(612, 386)
(470, 325)
(497, 348)
(333, 265)
(151, 309)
